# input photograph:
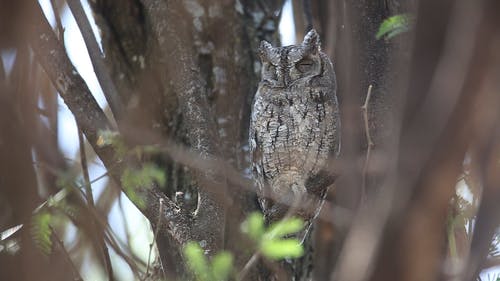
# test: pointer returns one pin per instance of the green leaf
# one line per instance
(280, 249)
(132, 180)
(254, 226)
(112, 138)
(196, 261)
(222, 264)
(284, 227)
(41, 231)
(393, 26)
(106, 137)
(270, 241)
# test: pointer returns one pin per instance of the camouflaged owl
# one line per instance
(294, 129)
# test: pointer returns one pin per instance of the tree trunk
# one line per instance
(196, 49)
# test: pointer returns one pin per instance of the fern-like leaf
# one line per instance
(41, 231)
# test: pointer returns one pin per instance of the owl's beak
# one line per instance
(286, 79)
(283, 78)
(281, 82)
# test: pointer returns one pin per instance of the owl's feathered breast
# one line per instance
(293, 133)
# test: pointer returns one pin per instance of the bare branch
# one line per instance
(65, 254)
(70, 85)
(158, 224)
(369, 141)
(251, 262)
(90, 202)
(91, 119)
(96, 57)
(59, 26)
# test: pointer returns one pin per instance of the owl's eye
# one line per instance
(271, 68)
(305, 65)
(270, 71)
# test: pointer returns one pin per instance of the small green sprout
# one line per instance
(272, 242)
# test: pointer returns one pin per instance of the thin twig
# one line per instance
(59, 26)
(85, 169)
(158, 224)
(110, 238)
(369, 141)
(125, 222)
(90, 200)
(126, 244)
(251, 262)
(119, 247)
(96, 57)
(60, 243)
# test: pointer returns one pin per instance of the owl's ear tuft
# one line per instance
(265, 50)
(312, 41)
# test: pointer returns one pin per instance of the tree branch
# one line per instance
(158, 224)
(57, 16)
(70, 85)
(96, 58)
(369, 141)
(91, 119)
(90, 202)
(65, 255)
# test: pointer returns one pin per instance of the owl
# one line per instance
(294, 129)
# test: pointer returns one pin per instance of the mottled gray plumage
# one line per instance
(295, 128)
